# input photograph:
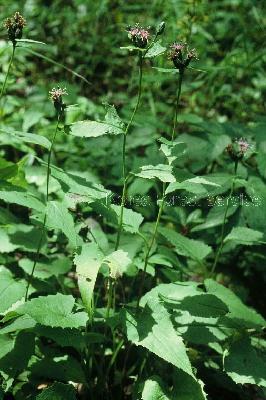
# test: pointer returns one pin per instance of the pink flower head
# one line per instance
(57, 93)
(243, 145)
(192, 54)
(139, 35)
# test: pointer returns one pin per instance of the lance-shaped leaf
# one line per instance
(88, 262)
(160, 171)
(11, 290)
(194, 185)
(246, 236)
(184, 246)
(22, 197)
(27, 137)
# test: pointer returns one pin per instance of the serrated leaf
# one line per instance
(246, 236)
(11, 290)
(131, 219)
(117, 262)
(92, 129)
(243, 364)
(54, 311)
(184, 246)
(58, 391)
(160, 171)
(238, 311)
(23, 198)
(58, 217)
(155, 50)
(172, 150)
(88, 262)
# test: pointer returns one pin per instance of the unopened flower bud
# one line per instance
(14, 26)
(139, 36)
(160, 29)
(56, 96)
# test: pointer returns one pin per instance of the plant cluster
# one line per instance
(104, 297)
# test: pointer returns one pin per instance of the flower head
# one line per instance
(139, 36)
(56, 96)
(14, 26)
(238, 149)
(181, 56)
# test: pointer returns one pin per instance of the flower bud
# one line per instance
(181, 55)
(14, 26)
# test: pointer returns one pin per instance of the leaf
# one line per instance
(246, 236)
(187, 388)
(154, 331)
(204, 305)
(118, 261)
(11, 290)
(172, 150)
(194, 185)
(243, 365)
(153, 390)
(44, 270)
(30, 41)
(131, 219)
(88, 262)
(28, 138)
(54, 311)
(237, 310)
(184, 246)
(167, 70)
(155, 50)
(21, 197)
(58, 217)
(161, 172)
(112, 125)
(58, 391)
(64, 369)
(67, 337)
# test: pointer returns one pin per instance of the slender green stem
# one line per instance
(7, 72)
(180, 80)
(124, 153)
(109, 297)
(218, 253)
(147, 256)
(37, 254)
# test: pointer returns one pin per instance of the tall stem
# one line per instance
(124, 169)
(218, 253)
(7, 72)
(37, 254)
(181, 74)
(147, 256)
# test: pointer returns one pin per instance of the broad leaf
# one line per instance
(58, 391)
(161, 172)
(118, 261)
(155, 50)
(11, 290)
(246, 236)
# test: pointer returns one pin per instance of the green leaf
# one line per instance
(118, 261)
(187, 388)
(54, 311)
(243, 365)
(58, 217)
(131, 219)
(186, 247)
(27, 137)
(11, 290)
(246, 236)
(18, 196)
(155, 50)
(167, 70)
(58, 391)
(30, 41)
(172, 150)
(204, 305)
(64, 337)
(154, 331)
(88, 262)
(112, 118)
(44, 270)
(238, 311)
(161, 172)
(154, 390)
(194, 185)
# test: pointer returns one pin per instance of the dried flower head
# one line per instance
(14, 26)
(56, 96)
(181, 56)
(138, 35)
